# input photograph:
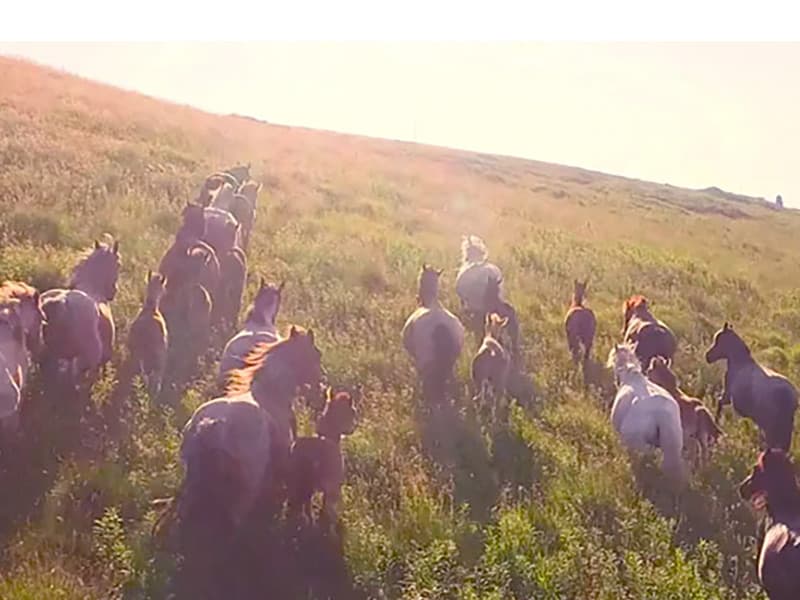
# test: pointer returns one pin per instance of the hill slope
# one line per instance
(548, 506)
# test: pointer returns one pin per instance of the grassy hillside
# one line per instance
(548, 507)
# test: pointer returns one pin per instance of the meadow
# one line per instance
(547, 506)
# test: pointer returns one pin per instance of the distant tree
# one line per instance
(779, 201)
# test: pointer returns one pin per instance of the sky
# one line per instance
(688, 114)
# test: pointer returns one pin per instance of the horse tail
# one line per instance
(445, 347)
(669, 436)
(780, 434)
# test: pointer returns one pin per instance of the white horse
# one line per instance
(259, 328)
(474, 275)
(644, 414)
(13, 365)
(432, 336)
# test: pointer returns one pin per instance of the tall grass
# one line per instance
(437, 505)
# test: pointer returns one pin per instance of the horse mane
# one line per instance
(16, 290)
(634, 302)
(473, 249)
(239, 381)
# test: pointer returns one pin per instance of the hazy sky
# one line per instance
(693, 115)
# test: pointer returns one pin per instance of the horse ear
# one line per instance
(115, 248)
(280, 287)
(726, 326)
(328, 394)
(263, 282)
(310, 334)
(149, 275)
(293, 332)
(439, 272)
(96, 245)
(504, 322)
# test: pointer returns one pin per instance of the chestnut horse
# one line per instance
(649, 336)
(580, 325)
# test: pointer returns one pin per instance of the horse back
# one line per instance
(73, 325)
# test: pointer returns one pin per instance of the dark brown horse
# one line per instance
(580, 325)
(496, 304)
(756, 392)
(772, 485)
(316, 463)
(147, 338)
(649, 336)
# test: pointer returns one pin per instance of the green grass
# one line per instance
(436, 506)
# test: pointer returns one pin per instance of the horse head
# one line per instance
(428, 285)
(726, 344)
(98, 272)
(771, 481)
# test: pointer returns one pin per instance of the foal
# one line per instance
(580, 325)
(316, 463)
(697, 422)
(492, 363)
(772, 485)
(147, 340)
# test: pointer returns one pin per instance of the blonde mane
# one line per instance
(473, 249)
(16, 290)
(239, 381)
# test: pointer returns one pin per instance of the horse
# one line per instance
(222, 230)
(700, 430)
(147, 338)
(233, 278)
(14, 364)
(188, 295)
(580, 325)
(649, 336)
(259, 328)
(492, 363)
(433, 337)
(757, 393)
(240, 172)
(772, 485)
(79, 332)
(316, 463)
(189, 236)
(29, 306)
(494, 303)
(644, 414)
(226, 452)
(271, 375)
(473, 278)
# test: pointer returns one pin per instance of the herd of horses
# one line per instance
(244, 446)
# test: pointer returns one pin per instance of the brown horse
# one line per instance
(649, 336)
(188, 302)
(147, 338)
(756, 392)
(580, 325)
(79, 333)
(492, 363)
(772, 485)
(495, 303)
(700, 430)
(316, 463)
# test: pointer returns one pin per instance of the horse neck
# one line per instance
(740, 354)
(275, 380)
(633, 378)
(429, 299)
(90, 289)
